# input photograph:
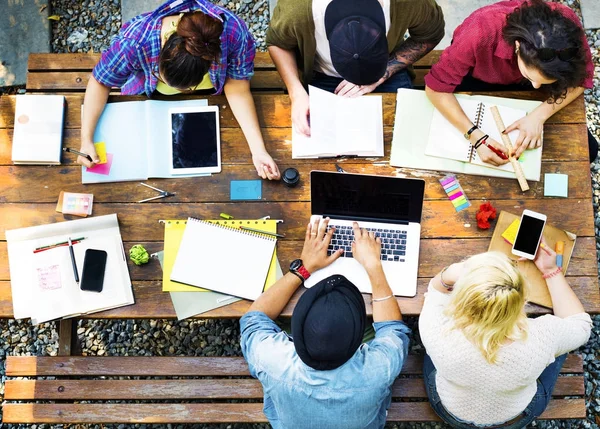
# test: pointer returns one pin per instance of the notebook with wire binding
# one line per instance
(231, 261)
(445, 141)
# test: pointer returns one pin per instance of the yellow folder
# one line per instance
(174, 233)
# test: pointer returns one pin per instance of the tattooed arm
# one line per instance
(406, 54)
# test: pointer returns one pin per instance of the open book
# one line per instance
(341, 126)
(42, 282)
(424, 139)
(153, 138)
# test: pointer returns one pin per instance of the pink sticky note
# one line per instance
(102, 168)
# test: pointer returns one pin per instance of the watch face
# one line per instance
(295, 264)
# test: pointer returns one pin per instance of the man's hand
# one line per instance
(265, 166)
(347, 89)
(487, 155)
(314, 254)
(530, 133)
(301, 113)
(366, 249)
(88, 147)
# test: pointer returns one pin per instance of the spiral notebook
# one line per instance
(445, 141)
(208, 250)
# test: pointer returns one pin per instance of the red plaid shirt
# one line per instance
(479, 49)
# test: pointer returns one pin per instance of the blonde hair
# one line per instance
(488, 303)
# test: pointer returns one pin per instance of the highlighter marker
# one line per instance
(559, 248)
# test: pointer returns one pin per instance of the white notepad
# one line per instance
(223, 259)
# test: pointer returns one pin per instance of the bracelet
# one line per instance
(382, 299)
(468, 133)
(552, 273)
(480, 141)
(450, 288)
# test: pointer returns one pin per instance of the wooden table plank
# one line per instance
(152, 303)
(439, 219)
(275, 110)
(560, 144)
(433, 256)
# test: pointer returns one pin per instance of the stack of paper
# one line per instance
(38, 129)
(186, 299)
(43, 282)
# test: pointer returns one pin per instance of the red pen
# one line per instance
(493, 149)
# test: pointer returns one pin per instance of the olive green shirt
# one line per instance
(292, 28)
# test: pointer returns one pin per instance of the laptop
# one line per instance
(389, 206)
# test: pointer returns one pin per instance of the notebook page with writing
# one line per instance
(207, 252)
(445, 141)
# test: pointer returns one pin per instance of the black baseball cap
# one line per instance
(357, 40)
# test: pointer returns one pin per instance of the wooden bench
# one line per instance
(207, 390)
(71, 72)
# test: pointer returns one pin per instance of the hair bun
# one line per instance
(201, 34)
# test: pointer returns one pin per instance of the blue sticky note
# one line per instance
(556, 185)
(246, 190)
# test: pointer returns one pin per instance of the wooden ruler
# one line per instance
(506, 140)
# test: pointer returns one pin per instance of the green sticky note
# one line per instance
(556, 185)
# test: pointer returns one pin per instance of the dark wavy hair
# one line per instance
(188, 53)
(535, 25)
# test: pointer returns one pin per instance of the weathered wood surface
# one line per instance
(275, 110)
(180, 366)
(560, 145)
(197, 389)
(221, 413)
(152, 303)
(78, 61)
(101, 390)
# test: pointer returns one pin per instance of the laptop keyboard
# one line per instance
(393, 242)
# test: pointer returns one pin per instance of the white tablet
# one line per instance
(195, 144)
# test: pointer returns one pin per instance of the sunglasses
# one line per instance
(548, 54)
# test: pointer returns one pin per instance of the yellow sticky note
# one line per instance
(101, 151)
(511, 232)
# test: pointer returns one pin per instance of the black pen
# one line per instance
(73, 261)
(76, 152)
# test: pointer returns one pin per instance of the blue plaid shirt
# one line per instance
(133, 55)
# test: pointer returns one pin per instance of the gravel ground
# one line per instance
(88, 25)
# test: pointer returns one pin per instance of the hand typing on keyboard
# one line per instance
(393, 242)
(315, 254)
(366, 247)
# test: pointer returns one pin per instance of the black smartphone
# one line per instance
(92, 276)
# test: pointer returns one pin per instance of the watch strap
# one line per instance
(468, 133)
(303, 272)
(297, 274)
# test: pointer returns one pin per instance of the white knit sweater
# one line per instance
(478, 392)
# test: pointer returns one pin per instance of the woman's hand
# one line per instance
(87, 147)
(366, 248)
(317, 239)
(301, 113)
(487, 155)
(265, 166)
(545, 259)
(530, 133)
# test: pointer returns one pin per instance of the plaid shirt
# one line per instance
(133, 54)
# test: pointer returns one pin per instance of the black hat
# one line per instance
(328, 323)
(357, 40)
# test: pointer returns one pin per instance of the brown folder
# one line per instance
(537, 291)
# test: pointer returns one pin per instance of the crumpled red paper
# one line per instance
(486, 213)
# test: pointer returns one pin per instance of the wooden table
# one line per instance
(29, 195)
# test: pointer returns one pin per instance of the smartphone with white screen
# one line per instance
(529, 234)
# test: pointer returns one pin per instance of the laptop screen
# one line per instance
(368, 198)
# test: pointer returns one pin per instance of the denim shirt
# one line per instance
(354, 395)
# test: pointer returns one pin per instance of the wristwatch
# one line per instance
(468, 133)
(297, 268)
